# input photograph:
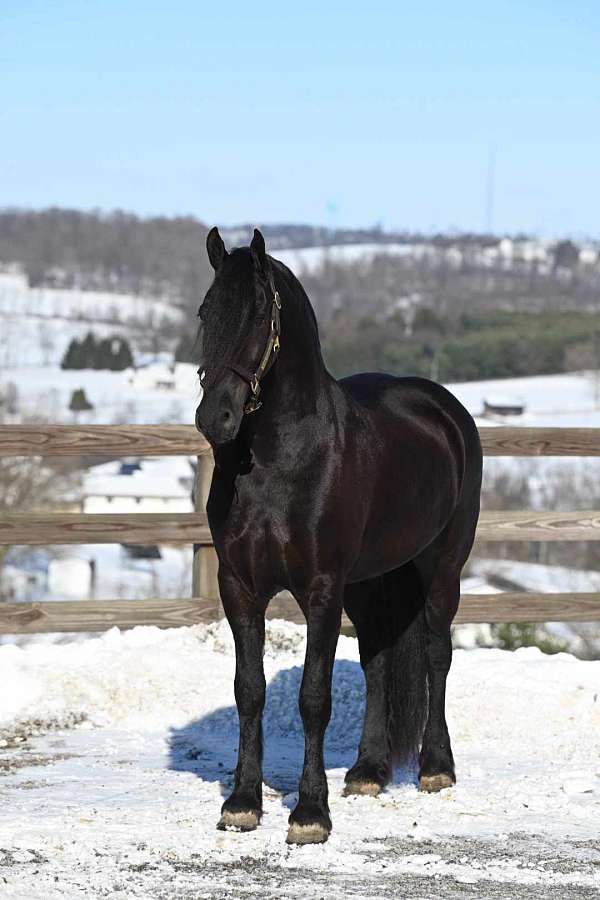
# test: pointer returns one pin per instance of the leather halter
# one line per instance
(269, 356)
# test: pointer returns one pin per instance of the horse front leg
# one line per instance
(310, 822)
(243, 808)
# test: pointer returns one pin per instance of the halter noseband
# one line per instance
(268, 358)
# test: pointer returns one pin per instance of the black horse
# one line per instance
(360, 494)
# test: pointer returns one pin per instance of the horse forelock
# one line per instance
(227, 311)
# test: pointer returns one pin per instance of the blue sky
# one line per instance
(334, 113)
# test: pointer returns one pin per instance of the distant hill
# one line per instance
(117, 251)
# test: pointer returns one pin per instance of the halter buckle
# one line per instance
(252, 404)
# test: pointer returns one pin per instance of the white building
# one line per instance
(145, 486)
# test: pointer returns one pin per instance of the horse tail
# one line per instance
(407, 685)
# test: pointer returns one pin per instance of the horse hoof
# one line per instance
(366, 788)
(241, 821)
(433, 783)
(307, 834)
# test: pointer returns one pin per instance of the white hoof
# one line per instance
(366, 788)
(433, 783)
(306, 834)
(241, 821)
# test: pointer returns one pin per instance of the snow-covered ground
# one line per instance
(567, 400)
(158, 390)
(118, 751)
(153, 394)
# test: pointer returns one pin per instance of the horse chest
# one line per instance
(260, 539)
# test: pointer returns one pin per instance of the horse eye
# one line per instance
(201, 375)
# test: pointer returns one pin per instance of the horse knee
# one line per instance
(249, 695)
(315, 705)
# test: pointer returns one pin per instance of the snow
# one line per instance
(567, 400)
(537, 577)
(118, 397)
(37, 324)
(310, 259)
(126, 802)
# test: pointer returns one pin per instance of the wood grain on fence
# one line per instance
(525, 525)
(101, 440)
(44, 529)
(184, 440)
(98, 615)
(517, 441)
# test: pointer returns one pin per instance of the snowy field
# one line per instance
(153, 394)
(37, 324)
(118, 750)
(569, 400)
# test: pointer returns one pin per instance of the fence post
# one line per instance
(205, 565)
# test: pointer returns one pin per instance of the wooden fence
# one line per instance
(112, 441)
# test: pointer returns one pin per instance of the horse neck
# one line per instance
(298, 384)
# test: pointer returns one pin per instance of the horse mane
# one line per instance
(226, 319)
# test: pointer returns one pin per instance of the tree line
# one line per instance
(114, 251)
(112, 353)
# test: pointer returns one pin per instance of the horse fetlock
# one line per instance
(240, 821)
(240, 812)
(309, 823)
(436, 757)
(431, 784)
(366, 778)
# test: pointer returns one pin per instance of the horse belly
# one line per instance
(382, 557)
(395, 539)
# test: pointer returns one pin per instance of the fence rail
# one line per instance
(98, 615)
(41, 528)
(184, 440)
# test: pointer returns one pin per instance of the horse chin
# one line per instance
(220, 439)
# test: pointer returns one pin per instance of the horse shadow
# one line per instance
(208, 747)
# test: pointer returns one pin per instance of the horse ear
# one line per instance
(216, 248)
(259, 252)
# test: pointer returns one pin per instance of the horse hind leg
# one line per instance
(436, 762)
(363, 604)
(388, 614)
(440, 570)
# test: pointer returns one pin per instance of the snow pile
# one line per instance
(151, 679)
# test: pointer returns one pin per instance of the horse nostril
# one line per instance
(227, 417)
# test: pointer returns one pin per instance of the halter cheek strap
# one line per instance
(269, 356)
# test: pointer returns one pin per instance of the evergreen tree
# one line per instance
(89, 351)
(79, 402)
(72, 357)
(124, 356)
(103, 358)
